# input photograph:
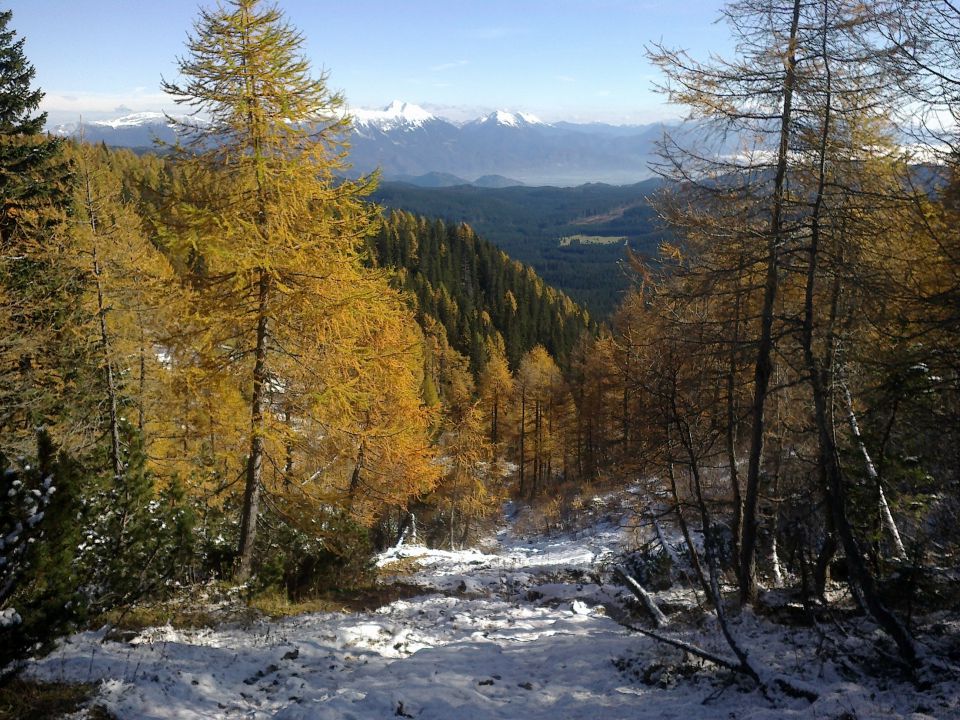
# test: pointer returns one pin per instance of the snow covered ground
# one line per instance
(518, 631)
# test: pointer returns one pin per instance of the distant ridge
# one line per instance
(437, 180)
(410, 144)
(496, 181)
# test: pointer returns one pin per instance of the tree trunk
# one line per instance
(355, 476)
(523, 432)
(713, 563)
(731, 434)
(861, 580)
(537, 458)
(762, 370)
(114, 429)
(685, 530)
(251, 492)
(142, 391)
(821, 570)
(775, 528)
(885, 515)
(116, 461)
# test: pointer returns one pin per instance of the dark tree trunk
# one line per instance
(251, 491)
(763, 368)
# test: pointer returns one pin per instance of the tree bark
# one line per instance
(684, 528)
(763, 368)
(251, 492)
(731, 434)
(523, 433)
(114, 429)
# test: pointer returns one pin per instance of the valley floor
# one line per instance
(518, 631)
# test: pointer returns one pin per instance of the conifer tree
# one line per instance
(24, 153)
(823, 192)
(276, 235)
(544, 407)
(39, 356)
(495, 387)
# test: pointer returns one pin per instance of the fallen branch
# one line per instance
(692, 649)
(782, 683)
(667, 547)
(659, 619)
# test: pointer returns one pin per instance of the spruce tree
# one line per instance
(24, 154)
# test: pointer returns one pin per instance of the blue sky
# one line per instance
(578, 60)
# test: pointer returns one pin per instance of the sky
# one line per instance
(574, 60)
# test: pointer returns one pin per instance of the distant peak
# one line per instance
(395, 114)
(149, 120)
(503, 117)
(134, 120)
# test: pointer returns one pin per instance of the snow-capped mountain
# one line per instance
(140, 129)
(404, 140)
(397, 114)
(509, 119)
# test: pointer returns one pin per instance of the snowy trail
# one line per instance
(518, 633)
(503, 635)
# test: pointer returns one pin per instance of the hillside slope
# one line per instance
(476, 291)
(543, 227)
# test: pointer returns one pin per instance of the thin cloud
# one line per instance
(565, 78)
(443, 67)
(495, 33)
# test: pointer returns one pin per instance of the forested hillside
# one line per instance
(479, 295)
(541, 226)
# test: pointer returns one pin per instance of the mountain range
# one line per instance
(410, 144)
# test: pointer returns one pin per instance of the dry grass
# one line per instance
(272, 603)
(212, 605)
(275, 604)
(29, 700)
(148, 615)
(401, 567)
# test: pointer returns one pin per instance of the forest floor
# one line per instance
(522, 628)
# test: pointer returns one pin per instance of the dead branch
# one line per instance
(659, 619)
